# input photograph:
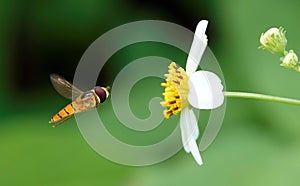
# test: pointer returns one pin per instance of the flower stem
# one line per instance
(263, 97)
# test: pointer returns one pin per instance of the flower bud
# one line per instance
(274, 40)
(290, 60)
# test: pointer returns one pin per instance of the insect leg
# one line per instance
(61, 121)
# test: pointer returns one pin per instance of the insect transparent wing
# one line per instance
(64, 87)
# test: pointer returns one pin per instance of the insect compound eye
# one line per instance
(101, 93)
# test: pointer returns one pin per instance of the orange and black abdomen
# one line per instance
(66, 112)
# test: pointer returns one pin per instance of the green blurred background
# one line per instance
(259, 143)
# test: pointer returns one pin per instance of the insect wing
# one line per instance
(64, 87)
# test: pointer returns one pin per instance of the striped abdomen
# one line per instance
(68, 111)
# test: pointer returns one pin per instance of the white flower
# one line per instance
(185, 90)
(274, 40)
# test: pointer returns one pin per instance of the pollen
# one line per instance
(176, 90)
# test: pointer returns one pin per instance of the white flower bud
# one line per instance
(274, 40)
(290, 60)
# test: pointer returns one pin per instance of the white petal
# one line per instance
(195, 151)
(187, 123)
(206, 90)
(189, 133)
(189, 127)
(197, 48)
(185, 129)
(193, 124)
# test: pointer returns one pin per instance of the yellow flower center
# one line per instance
(176, 90)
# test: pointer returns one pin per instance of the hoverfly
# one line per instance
(84, 101)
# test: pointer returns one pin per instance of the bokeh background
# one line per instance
(259, 143)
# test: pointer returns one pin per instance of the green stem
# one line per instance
(247, 95)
